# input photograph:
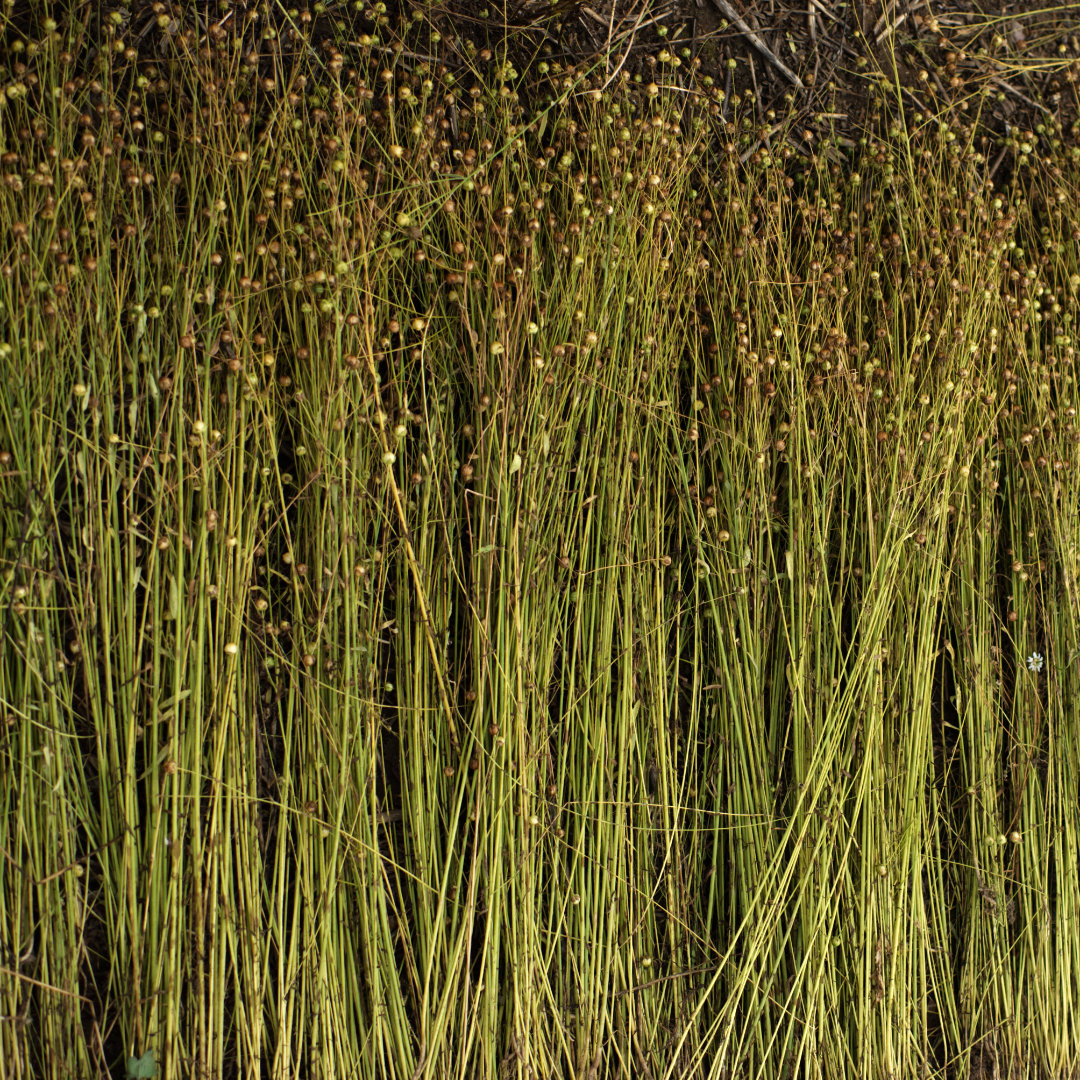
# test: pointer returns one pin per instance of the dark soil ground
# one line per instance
(808, 65)
(941, 54)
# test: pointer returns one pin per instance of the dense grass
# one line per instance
(526, 576)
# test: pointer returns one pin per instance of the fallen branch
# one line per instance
(734, 18)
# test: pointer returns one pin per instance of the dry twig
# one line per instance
(740, 23)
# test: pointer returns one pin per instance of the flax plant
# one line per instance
(514, 572)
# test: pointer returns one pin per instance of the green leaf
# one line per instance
(138, 1068)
